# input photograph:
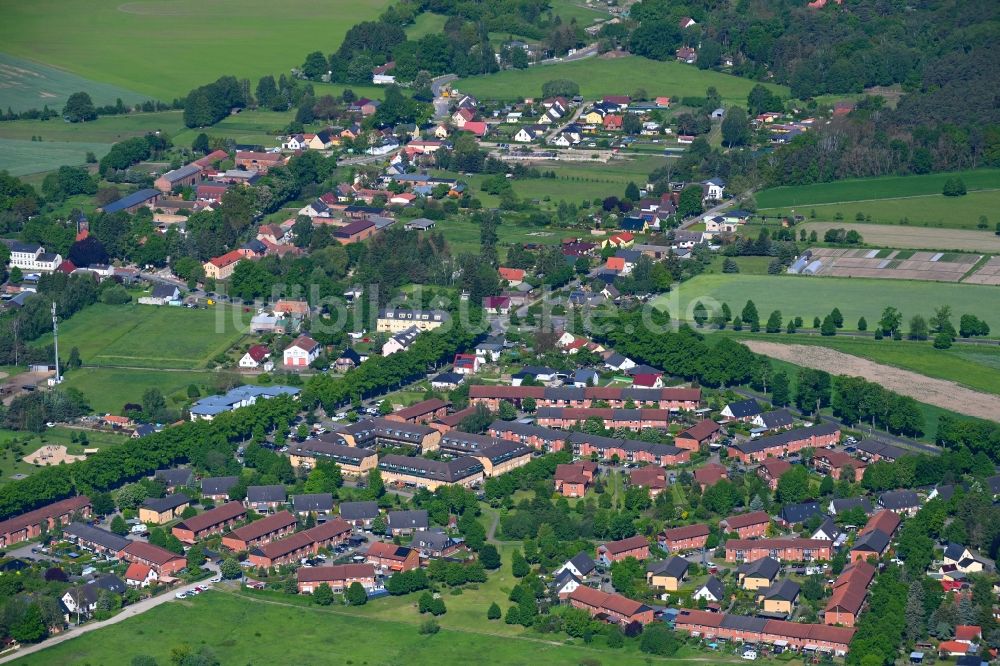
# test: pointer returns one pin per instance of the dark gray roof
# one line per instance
(765, 567)
(601, 442)
(448, 378)
(674, 566)
(872, 447)
(528, 430)
(161, 504)
(109, 582)
(415, 519)
(266, 494)
(358, 510)
(829, 528)
(875, 541)
(715, 588)
(182, 172)
(131, 200)
(899, 499)
(799, 513)
(954, 551)
(848, 503)
(180, 476)
(777, 419)
(564, 577)
(744, 408)
(764, 443)
(103, 538)
(431, 540)
(463, 442)
(312, 502)
(583, 563)
(163, 291)
(744, 623)
(450, 471)
(785, 590)
(218, 485)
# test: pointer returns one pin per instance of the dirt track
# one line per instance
(938, 392)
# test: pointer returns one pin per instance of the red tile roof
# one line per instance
(701, 430)
(335, 572)
(625, 545)
(150, 553)
(137, 571)
(885, 520)
(747, 519)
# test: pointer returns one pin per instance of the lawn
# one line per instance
(463, 235)
(11, 464)
(809, 297)
(164, 48)
(244, 631)
(108, 390)
(622, 76)
(573, 9)
(975, 367)
(106, 129)
(427, 23)
(146, 336)
(23, 157)
(864, 189)
(25, 84)
(246, 127)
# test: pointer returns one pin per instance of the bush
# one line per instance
(658, 639)
(954, 187)
(429, 627)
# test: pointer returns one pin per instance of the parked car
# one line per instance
(181, 595)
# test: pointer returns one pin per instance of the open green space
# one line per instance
(25, 84)
(568, 10)
(148, 336)
(11, 455)
(863, 189)
(975, 367)
(932, 210)
(621, 76)
(427, 23)
(251, 127)
(809, 297)
(106, 129)
(462, 234)
(108, 390)
(244, 630)
(22, 157)
(164, 48)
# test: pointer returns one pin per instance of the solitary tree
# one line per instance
(323, 595)
(862, 324)
(79, 108)
(356, 595)
(494, 612)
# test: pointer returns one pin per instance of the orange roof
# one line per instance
(120, 420)
(137, 571)
(388, 551)
(511, 274)
(227, 259)
(710, 474)
(884, 520)
(616, 264)
(305, 343)
(953, 647)
(623, 236)
(968, 632)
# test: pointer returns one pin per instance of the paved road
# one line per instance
(441, 104)
(126, 613)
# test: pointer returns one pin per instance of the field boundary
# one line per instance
(851, 201)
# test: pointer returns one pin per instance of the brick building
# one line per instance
(689, 537)
(782, 444)
(29, 525)
(260, 532)
(783, 550)
(210, 522)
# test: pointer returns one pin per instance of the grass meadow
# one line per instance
(146, 336)
(616, 76)
(244, 628)
(809, 297)
(164, 48)
(109, 389)
(890, 200)
(25, 84)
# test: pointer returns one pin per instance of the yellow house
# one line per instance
(503, 457)
(759, 574)
(780, 597)
(592, 118)
(667, 574)
(160, 510)
(353, 461)
(220, 268)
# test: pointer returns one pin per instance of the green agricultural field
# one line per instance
(14, 445)
(164, 48)
(25, 84)
(246, 127)
(975, 367)
(108, 389)
(106, 129)
(809, 297)
(269, 631)
(463, 235)
(864, 189)
(148, 336)
(574, 9)
(932, 210)
(598, 77)
(24, 157)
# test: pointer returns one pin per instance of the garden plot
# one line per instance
(891, 264)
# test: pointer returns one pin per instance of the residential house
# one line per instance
(780, 633)
(312, 503)
(780, 598)
(873, 451)
(712, 591)
(614, 607)
(435, 543)
(709, 475)
(359, 514)
(400, 341)
(431, 474)
(713, 189)
(785, 443)
(771, 470)
(835, 463)
(758, 574)
(903, 502)
(407, 522)
(338, 576)
(260, 531)
(398, 320)
(794, 514)
(581, 565)
(140, 575)
(885, 521)
(354, 461)
(667, 574)
(160, 510)
(701, 434)
(869, 545)
(173, 479)
(94, 539)
(743, 410)
(572, 479)
(651, 477)
(82, 599)
(688, 537)
(300, 544)
(447, 381)
(213, 521)
(779, 419)
(466, 364)
(387, 557)
(783, 550)
(161, 560)
(222, 267)
(303, 351)
(615, 551)
(255, 357)
(161, 294)
(839, 506)
(421, 412)
(29, 525)
(747, 525)
(265, 499)
(828, 531)
(564, 584)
